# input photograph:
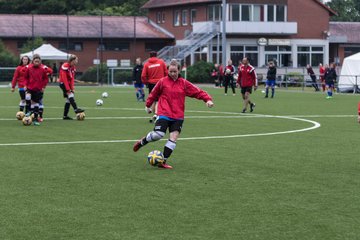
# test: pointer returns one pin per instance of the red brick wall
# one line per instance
(88, 54)
(312, 18)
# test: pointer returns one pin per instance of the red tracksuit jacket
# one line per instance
(67, 76)
(247, 76)
(171, 94)
(19, 77)
(153, 71)
(35, 78)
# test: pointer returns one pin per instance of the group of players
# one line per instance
(32, 78)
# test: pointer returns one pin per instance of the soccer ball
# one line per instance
(228, 71)
(263, 91)
(105, 95)
(80, 116)
(20, 115)
(155, 158)
(27, 121)
(99, 102)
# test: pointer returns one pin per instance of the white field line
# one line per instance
(315, 125)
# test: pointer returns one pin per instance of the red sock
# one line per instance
(359, 108)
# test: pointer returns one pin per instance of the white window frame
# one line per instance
(184, 19)
(176, 19)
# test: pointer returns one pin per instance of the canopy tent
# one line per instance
(47, 52)
(350, 74)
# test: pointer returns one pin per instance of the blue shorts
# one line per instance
(330, 84)
(270, 83)
(138, 85)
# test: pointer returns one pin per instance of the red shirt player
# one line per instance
(18, 79)
(36, 80)
(322, 71)
(154, 69)
(171, 92)
(67, 85)
(247, 79)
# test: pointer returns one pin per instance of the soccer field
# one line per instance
(290, 170)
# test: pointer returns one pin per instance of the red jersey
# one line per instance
(19, 77)
(48, 70)
(67, 76)
(153, 71)
(171, 94)
(35, 78)
(247, 76)
(322, 73)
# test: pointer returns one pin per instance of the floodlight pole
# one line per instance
(223, 43)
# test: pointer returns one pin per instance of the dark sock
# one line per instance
(21, 108)
(73, 103)
(27, 106)
(267, 92)
(41, 111)
(144, 141)
(272, 92)
(169, 148)
(36, 112)
(66, 109)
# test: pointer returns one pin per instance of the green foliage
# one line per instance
(30, 45)
(200, 72)
(348, 10)
(85, 7)
(90, 75)
(7, 59)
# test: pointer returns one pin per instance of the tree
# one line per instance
(7, 59)
(348, 10)
(30, 45)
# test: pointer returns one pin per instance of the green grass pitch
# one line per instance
(295, 185)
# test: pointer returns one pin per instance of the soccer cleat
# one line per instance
(252, 106)
(36, 123)
(79, 110)
(40, 119)
(266, 96)
(137, 145)
(244, 110)
(165, 165)
(67, 118)
(328, 97)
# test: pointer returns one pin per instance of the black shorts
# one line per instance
(62, 86)
(22, 94)
(162, 125)
(246, 89)
(151, 87)
(35, 95)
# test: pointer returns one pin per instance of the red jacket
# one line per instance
(247, 76)
(67, 76)
(19, 77)
(322, 73)
(171, 94)
(48, 70)
(153, 71)
(35, 78)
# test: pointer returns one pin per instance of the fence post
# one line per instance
(356, 85)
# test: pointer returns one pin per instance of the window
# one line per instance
(115, 46)
(163, 18)
(153, 46)
(258, 13)
(350, 50)
(184, 17)
(281, 55)
(158, 17)
(214, 13)
(270, 13)
(192, 16)
(310, 55)
(280, 13)
(238, 52)
(177, 18)
(245, 12)
(75, 46)
(235, 12)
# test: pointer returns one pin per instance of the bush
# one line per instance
(200, 72)
(90, 75)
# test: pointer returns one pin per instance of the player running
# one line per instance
(153, 71)
(247, 80)
(171, 92)
(36, 80)
(18, 79)
(67, 85)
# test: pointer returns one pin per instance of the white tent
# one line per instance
(350, 74)
(47, 52)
